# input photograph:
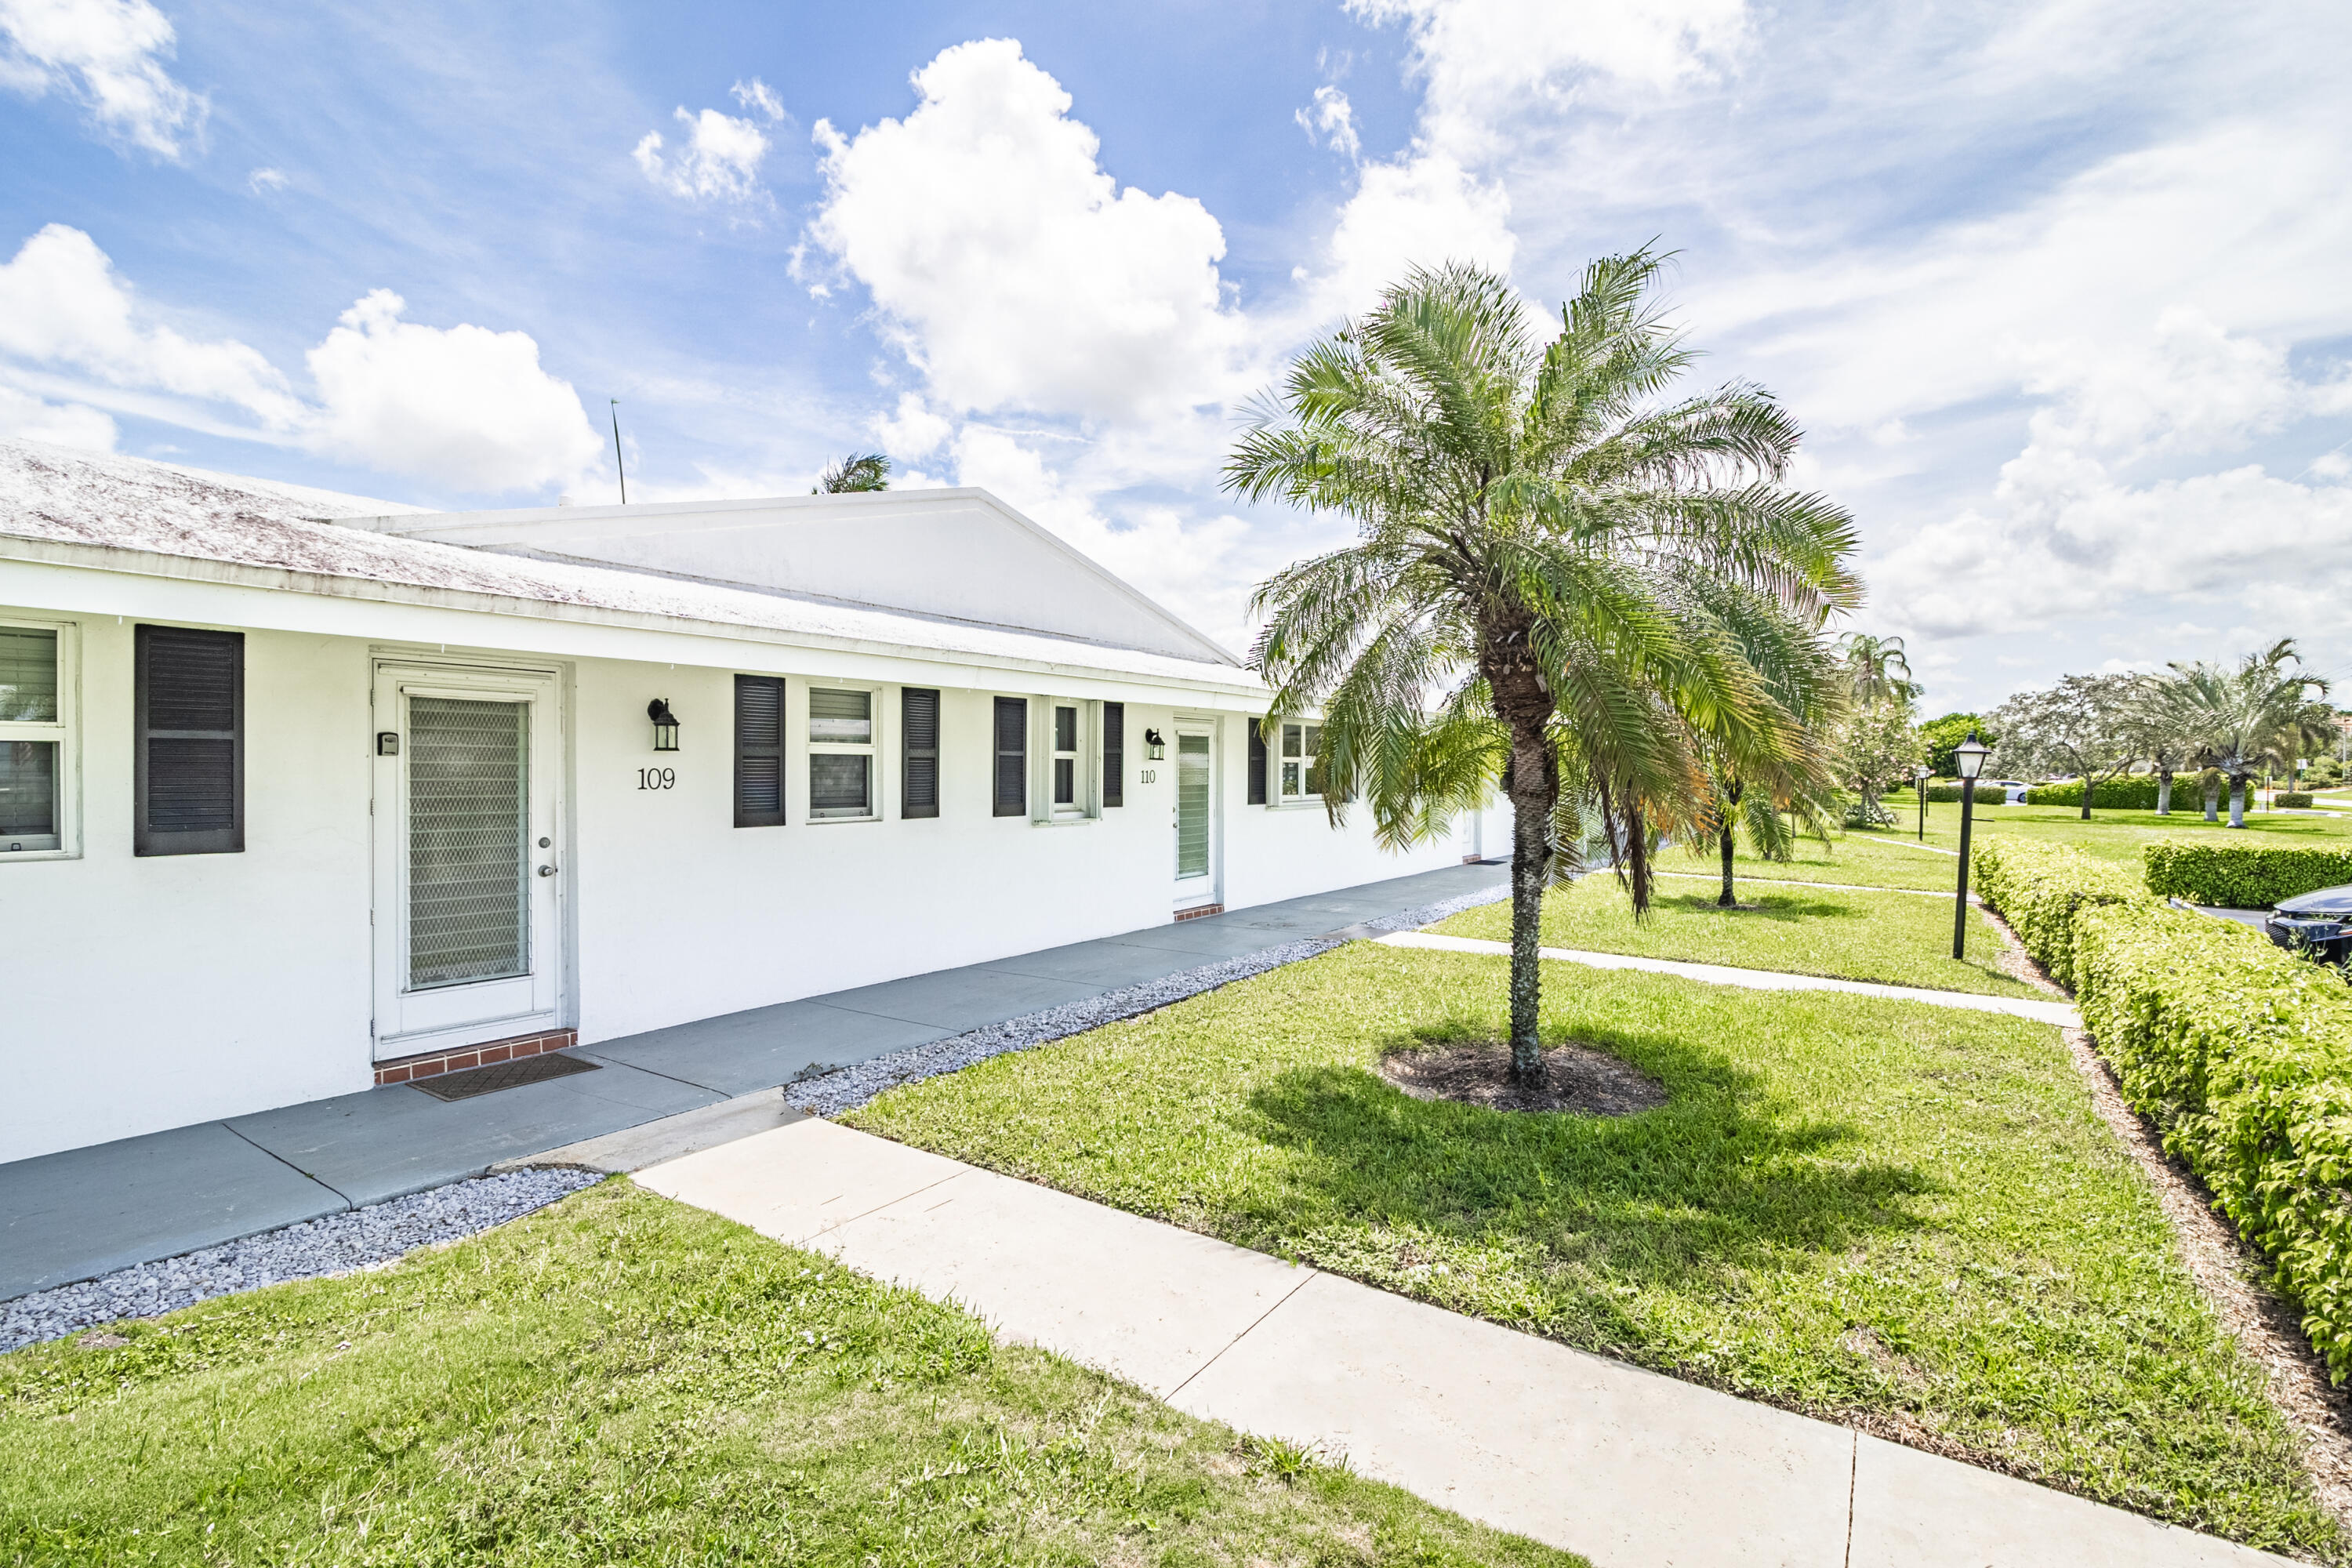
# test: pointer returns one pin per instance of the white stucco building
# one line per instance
(301, 793)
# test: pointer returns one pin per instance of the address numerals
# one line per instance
(657, 778)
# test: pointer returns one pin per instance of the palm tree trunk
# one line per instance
(1535, 793)
(2212, 802)
(2164, 793)
(1729, 900)
(2237, 803)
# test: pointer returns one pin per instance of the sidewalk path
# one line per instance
(2061, 1013)
(84, 1212)
(1633, 1470)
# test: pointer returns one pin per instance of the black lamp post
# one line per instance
(1971, 754)
(1919, 777)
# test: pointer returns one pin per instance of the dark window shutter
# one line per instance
(188, 762)
(1012, 756)
(758, 751)
(1256, 764)
(1114, 781)
(919, 722)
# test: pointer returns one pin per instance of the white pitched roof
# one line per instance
(75, 503)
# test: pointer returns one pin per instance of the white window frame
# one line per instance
(1086, 764)
(812, 748)
(64, 735)
(1281, 761)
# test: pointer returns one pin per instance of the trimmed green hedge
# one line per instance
(2136, 793)
(2291, 799)
(2242, 1055)
(1949, 794)
(2040, 889)
(2237, 875)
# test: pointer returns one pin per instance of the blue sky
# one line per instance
(2058, 289)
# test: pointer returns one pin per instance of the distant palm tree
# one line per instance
(2243, 716)
(862, 471)
(1878, 669)
(1560, 575)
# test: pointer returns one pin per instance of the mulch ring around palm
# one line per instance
(1576, 1079)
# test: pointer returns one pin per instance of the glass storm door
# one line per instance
(1196, 819)
(467, 896)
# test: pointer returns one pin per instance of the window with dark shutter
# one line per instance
(1113, 775)
(758, 751)
(188, 759)
(1256, 764)
(919, 722)
(1012, 756)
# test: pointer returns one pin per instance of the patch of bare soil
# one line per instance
(1576, 1079)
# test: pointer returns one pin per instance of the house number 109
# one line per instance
(657, 778)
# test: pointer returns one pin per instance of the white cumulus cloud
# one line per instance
(464, 406)
(719, 156)
(26, 418)
(1014, 271)
(1331, 121)
(109, 55)
(62, 303)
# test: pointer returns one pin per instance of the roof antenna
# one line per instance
(617, 463)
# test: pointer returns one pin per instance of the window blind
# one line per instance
(758, 751)
(1256, 763)
(188, 751)
(1114, 755)
(1012, 756)
(918, 724)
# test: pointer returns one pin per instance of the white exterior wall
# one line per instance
(152, 993)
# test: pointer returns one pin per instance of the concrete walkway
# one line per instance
(2061, 1013)
(84, 1212)
(1633, 1470)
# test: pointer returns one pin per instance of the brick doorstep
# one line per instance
(433, 1064)
(1198, 911)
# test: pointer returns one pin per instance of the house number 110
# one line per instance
(657, 778)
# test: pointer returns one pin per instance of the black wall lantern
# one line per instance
(1155, 748)
(665, 724)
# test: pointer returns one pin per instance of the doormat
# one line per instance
(502, 1075)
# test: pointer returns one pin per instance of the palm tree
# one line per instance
(1562, 575)
(860, 471)
(2243, 716)
(1878, 669)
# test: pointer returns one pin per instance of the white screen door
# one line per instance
(468, 765)
(1196, 819)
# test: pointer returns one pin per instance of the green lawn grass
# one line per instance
(1894, 938)
(1875, 1210)
(1891, 857)
(625, 1379)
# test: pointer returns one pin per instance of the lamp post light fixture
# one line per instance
(665, 724)
(1971, 754)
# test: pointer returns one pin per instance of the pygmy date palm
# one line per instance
(1563, 574)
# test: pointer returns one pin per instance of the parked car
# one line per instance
(2317, 923)
(2013, 790)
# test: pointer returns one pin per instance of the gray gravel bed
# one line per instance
(336, 1244)
(846, 1089)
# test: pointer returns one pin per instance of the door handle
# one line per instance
(547, 871)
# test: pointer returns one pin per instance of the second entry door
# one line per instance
(1196, 817)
